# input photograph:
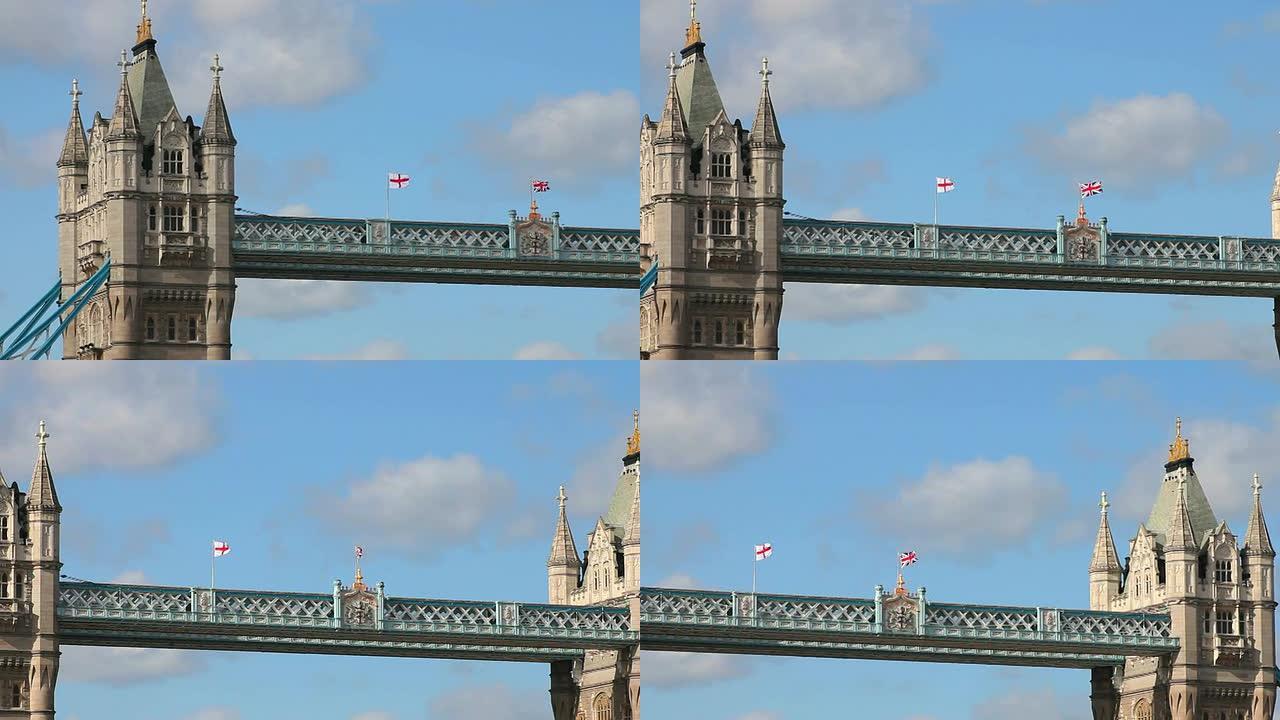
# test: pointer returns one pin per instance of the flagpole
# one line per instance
(936, 193)
(754, 562)
(213, 568)
(388, 217)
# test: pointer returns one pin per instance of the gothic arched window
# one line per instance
(604, 708)
(1142, 710)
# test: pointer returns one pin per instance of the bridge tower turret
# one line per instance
(711, 217)
(1104, 568)
(606, 683)
(1220, 598)
(159, 199)
(30, 563)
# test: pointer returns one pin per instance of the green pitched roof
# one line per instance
(619, 511)
(699, 98)
(152, 98)
(1203, 520)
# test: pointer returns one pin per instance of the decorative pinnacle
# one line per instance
(1104, 504)
(633, 442)
(671, 67)
(124, 62)
(42, 436)
(562, 497)
(75, 93)
(144, 27)
(693, 35)
(765, 72)
(1180, 449)
(1257, 485)
(217, 68)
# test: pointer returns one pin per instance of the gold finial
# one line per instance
(1180, 449)
(901, 588)
(693, 35)
(1082, 220)
(144, 27)
(633, 442)
(533, 210)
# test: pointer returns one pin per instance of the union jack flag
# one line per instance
(541, 186)
(1090, 189)
(906, 558)
(359, 551)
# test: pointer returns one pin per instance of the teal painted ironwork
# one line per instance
(41, 329)
(904, 626)
(153, 616)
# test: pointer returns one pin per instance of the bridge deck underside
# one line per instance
(1060, 653)
(459, 644)
(325, 266)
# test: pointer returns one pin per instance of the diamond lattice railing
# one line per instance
(149, 616)
(715, 621)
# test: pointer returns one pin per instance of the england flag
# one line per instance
(946, 185)
(763, 551)
(397, 181)
(220, 548)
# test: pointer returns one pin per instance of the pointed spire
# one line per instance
(75, 148)
(564, 552)
(672, 125)
(1104, 547)
(1180, 536)
(764, 131)
(124, 119)
(693, 34)
(144, 26)
(217, 125)
(633, 442)
(1257, 540)
(1180, 449)
(42, 495)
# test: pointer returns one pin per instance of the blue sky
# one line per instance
(1017, 100)
(469, 98)
(991, 471)
(293, 465)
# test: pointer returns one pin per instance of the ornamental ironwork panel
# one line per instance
(268, 231)
(1116, 624)
(979, 617)
(600, 240)
(91, 598)
(1261, 251)
(998, 240)
(837, 611)
(441, 613)
(282, 605)
(1169, 248)
(544, 617)
(847, 238)
(477, 240)
(697, 606)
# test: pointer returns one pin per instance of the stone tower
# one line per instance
(711, 217)
(29, 568)
(606, 684)
(1220, 596)
(156, 194)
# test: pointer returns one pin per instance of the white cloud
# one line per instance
(679, 669)
(1043, 704)
(492, 702)
(697, 417)
(931, 352)
(274, 55)
(620, 340)
(423, 505)
(1227, 454)
(296, 210)
(843, 304)
(1141, 143)
(126, 666)
(220, 712)
(958, 509)
(825, 53)
(373, 350)
(850, 214)
(29, 161)
(142, 416)
(583, 136)
(1093, 353)
(596, 474)
(546, 350)
(1215, 340)
(294, 299)
(682, 581)
(131, 577)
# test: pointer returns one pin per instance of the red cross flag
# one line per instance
(1090, 189)
(397, 181)
(946, 185)
(763, 551)
(359, 551)
(541, 186)
(220, 548)
(906, 558)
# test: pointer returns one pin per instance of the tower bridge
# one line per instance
(1182, 629)
(587, 632)
(712, 225)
